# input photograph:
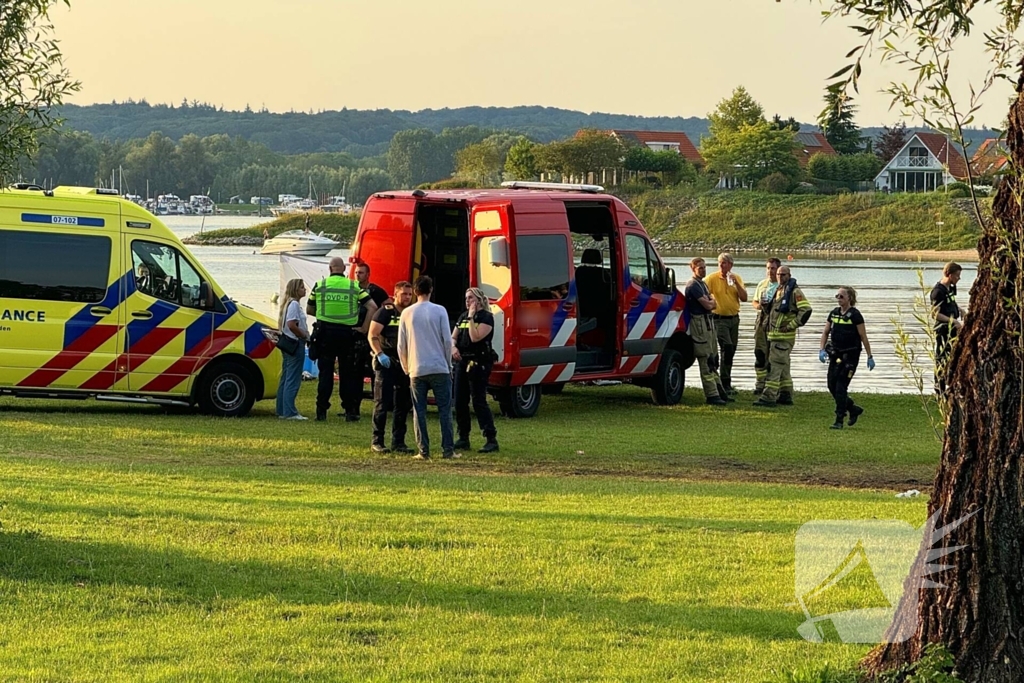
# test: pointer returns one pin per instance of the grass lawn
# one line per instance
(137, 545)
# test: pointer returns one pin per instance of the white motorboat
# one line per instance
(299, 242)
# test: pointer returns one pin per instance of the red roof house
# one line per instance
(662, 141)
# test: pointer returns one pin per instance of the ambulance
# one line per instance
(577, 290)
(99, 299)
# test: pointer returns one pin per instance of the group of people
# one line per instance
(713, 305)
(405, 341)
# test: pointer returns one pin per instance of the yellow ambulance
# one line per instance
(99, 298)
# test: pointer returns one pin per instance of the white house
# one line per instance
(927, 162)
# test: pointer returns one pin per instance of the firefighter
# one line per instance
(790, 310)
(391, 384)
(474, 357)
(762, 303)
(335, 301)
(841, 341)
(701, 328)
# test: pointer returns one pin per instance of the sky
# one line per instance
(645, 57)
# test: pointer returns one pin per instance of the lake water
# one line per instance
(885, 289)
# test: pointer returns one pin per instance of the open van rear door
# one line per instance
(490, 269)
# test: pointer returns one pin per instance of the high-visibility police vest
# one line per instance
(337, 300)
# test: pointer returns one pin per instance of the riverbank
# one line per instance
(340, 228)
(901, 225)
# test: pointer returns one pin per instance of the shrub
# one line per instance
(959, 186)
(776, 183)
(805, 188)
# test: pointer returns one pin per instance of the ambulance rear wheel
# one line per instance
(667, 384)
(226, 390)
(519, 402)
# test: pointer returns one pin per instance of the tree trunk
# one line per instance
(979, 614)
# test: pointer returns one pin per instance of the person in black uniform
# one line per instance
(391, 385)
(947, 319)
(471, 351)
(841, 342)
(378, 295)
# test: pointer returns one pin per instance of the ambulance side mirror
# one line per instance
(499, 252)
(670, 280)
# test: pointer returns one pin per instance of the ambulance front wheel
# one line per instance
(519, 402)
(667, 383)
(226, 390)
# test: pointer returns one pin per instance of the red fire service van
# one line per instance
(577, 290)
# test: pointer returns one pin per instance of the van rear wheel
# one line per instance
(519, 402)
(667, 383)
(226, 390)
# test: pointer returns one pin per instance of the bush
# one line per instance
(958, 186)
(805, 188)
(776, 183)
(451, 184)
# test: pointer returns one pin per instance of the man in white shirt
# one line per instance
(424, 350)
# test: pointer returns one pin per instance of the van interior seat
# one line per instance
(593, 290)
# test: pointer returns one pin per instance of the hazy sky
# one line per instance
(648, 57)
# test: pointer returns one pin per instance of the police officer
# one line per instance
(841, 342)
(762, 303)
(790, 310)
(472, 353)
(379, 296)
(391, 384)
(701, 328)
(335, 302)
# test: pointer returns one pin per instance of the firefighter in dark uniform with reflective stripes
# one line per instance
(841, 342)
(391, 385)
(790, 311)
(335, 301)
(701, 328)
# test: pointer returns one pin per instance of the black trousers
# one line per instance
(471, 382)
(841, 368)
(391, 394)
(336, 343)
(943, 347)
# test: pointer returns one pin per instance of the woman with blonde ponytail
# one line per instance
(291, 321)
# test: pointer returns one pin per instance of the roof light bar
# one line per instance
(568, 187)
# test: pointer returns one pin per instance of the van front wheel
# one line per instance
(226, 390)
(519, 402)
(667, 383)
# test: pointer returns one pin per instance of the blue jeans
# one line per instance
(441, 385)
(291, 378)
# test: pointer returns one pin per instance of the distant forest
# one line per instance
(361, 133)
(364, 133)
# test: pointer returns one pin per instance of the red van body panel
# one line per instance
(537, 340)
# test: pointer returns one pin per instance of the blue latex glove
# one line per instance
(822, 356)
(871, 363)
(383, 359)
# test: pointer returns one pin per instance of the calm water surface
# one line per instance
(885, 291)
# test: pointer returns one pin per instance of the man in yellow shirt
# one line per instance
(728, 290)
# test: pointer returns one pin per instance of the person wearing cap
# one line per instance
(729, 292)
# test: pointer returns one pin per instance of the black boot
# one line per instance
(490, 447)
(724, 395)
(855, 413)
(462, 444)
(838, 424)
(785, 398)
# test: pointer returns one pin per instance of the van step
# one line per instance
(143, 399)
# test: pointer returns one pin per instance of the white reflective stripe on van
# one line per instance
(539, 374)
(562, 338)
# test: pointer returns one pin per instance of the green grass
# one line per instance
(757, 220)
(141, 546)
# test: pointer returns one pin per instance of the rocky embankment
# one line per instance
(244, 240)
